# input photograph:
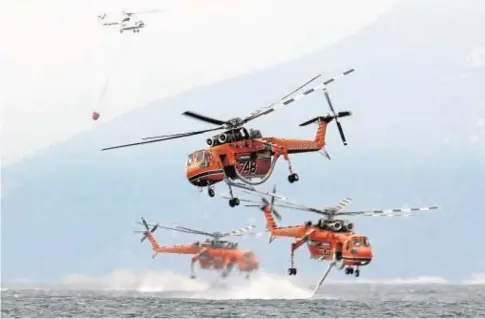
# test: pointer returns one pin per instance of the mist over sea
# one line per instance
(163, 294)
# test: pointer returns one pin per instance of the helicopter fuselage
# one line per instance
(133, 25)
(247, 154)
(223, 258)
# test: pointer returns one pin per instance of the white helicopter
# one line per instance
(128, 22)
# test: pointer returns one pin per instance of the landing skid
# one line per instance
(330, 266)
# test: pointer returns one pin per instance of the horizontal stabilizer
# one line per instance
(327, 118)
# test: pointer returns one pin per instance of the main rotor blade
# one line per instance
(163, 138)
(302, 86)
(253, 190)
(195, 231)
(272, 107)
(203, 118)
(390, 212)
(187, 231)
(238, 232)
(343, 203)
(303, 208)
(180, 230)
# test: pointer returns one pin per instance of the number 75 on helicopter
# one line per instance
(241, 155)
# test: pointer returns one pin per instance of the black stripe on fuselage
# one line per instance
(196, 180)
(365, 260)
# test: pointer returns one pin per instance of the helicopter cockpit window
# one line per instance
(206, 159)
(190, 159)
(248, 255)
(366, 242)
(356, 242)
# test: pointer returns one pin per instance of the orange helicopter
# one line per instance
(247, 156)
(329, 239)
(212, 254)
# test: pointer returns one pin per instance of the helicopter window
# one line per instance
(366, 242)
(206, 159)
(190, 159)
(200, 156)
(248, 255)
(356, 242)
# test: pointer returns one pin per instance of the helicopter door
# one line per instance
(339, 250)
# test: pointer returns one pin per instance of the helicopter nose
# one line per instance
(256, 263)
(190, 172)
(366, 252)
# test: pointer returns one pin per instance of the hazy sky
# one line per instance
(57, 57)
(416, 137)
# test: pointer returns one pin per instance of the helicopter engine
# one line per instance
(222, 138)
(348, 225)
(226, 137)
(336, 226)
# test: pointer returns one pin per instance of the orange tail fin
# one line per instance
(153, 241)
(270, 222)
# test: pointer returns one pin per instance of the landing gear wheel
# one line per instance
(192, 276)
(349, 271)
(291, 271)
(293, 178)
(211, 192)
(357, 273)
(234, 202)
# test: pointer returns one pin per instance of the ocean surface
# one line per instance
(333, 300)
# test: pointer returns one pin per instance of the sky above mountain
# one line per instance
(58, 58)
(416, 137)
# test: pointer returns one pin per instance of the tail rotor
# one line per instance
(266, 202)
(147, 231)
(336, 116)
